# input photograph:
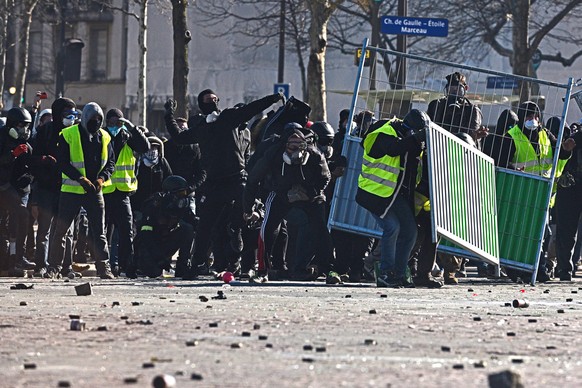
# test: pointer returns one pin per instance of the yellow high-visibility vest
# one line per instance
(379, 176)
(73, 138)
(123, 178)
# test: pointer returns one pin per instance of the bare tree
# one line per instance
(258, 20)
(181, 38)
(321, 11)
(5, 12)
(25, 15)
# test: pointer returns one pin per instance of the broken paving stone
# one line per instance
(370, 342)
(263, 337)
(507, 304)
(74, 316)
(83, 289)
(551, 347)
(236, 345)
(505, 379)
(561, 311)
(574, 291)
(172, 301)
(246, 334)
(213, 324)
(307, 347)
(136, 303)
(470, 290)
(320, 349)
(477, 318)
(203, 298)
(220, 295)
(256, 326)
(30, 365)
(383, 296)
(114, 304)
(21, 286)
(373, 311)
(209, 307)
(23, 303)
(196, 376)
(510, 334)
(348, 296)
(546, 291)
(269, 346)
(102, 328)
(124, 317)
(191, 343)
(517, 360)
(164, 381)
(130, 380)
(458, 366)
(445, 349)
(307, 359)
(480, 364)
(532, 320)
(140, 322)
(569, 299)
(64, 384)
(147, 365)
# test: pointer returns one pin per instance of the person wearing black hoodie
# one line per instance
(48, 180)
(224, 144)
(86, 159)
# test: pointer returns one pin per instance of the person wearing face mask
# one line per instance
(532, 147)
(152, 169)
(297, 174)
(455, 112)
(86, 159)
(15, 179)
(224, 146)
(48, 182)
(127, 140)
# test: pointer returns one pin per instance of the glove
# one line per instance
(19, 150)
(128, 124)
(48, 159)
(23, 181)
(98, 184)
(170, 106)
(278, 97)
(87, 185)
(420, 135)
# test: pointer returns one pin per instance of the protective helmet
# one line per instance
(324, 132)
(466, 138)
(416, 120)
(17, 115)
(174, 183)
(292, 126)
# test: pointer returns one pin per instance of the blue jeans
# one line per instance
(398, 236)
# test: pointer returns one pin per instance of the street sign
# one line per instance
(282, 88)
(359, 55)
(414, 26)
(501, 83)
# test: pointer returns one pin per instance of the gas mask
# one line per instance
(455, 92)
(296, 153)
(326, 150)
(531, 125)
(20, 131)
(151, 157)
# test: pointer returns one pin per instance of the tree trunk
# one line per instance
(142, 80)
(320, 13)
(20, 81)
(181, 69)
(521, 55)
(301, 63)
(3, 34)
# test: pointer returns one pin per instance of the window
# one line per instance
(98, 52)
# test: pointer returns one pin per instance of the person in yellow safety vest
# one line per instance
(127, 139)
(386, 189)
(86, 159)
(532, 151)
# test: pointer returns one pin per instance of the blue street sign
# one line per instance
(501, 83)
(282, 88)
(414, 26)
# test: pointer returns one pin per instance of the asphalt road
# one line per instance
(288, 334)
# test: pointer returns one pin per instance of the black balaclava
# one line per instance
(91, 111)
(59, 106)
(207, 107)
